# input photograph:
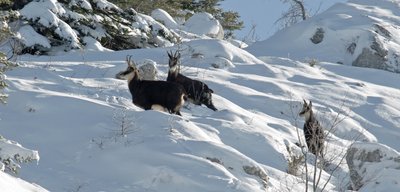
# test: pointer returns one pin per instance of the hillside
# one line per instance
(90, 137)
(361, 33)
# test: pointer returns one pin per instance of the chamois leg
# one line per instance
(211, 106)
(175, 111)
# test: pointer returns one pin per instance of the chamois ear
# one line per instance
(310, 104)
(304, 102)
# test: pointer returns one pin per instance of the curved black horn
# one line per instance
(129, 61)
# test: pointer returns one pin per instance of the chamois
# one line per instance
(313, 132)
(198, 92)
(147, 94)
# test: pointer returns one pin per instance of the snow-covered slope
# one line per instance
(92, 138)
(362, 33)
(9, 183)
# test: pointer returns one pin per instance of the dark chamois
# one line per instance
(148, 94)
(313, 132)
(198, 92)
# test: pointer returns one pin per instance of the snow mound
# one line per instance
(204, 24)
(217, 53)
(358, 33)
(165, 18)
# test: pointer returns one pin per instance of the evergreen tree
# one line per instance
(5, 34)
(229, 20)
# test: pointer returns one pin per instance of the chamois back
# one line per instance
(146, 93)
(198, 92)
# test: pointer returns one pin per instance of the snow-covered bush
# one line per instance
(63, 25)
(12, 153)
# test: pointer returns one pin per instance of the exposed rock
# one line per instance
(370, 59)
(318, 36)
(382, 30)
(371, 164)
(373, 57)
(258, 172)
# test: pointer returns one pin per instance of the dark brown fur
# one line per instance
(197, 91)
(313, 132)
(145, 93)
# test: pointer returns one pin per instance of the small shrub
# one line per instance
(294, 162)
(312, 62)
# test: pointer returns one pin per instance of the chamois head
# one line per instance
(306, 111)
(174, 61)
(130, 72)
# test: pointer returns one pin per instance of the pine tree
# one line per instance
(5, 33)
(229, 20)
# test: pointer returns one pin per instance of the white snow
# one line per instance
(344, 24)
(81, 3)
(75, 99)
(103, 4)
(204, 24)
(165, 18)
(9, 183)
(30, 37)
(91, 137)
(45, 12)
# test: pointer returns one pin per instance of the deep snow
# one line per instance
(90, 136)
(71, 109)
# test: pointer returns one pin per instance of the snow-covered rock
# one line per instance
(361, 33)
(147, 69)
(373, 167)
(205, 24)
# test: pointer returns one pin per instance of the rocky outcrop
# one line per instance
(373, 165)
